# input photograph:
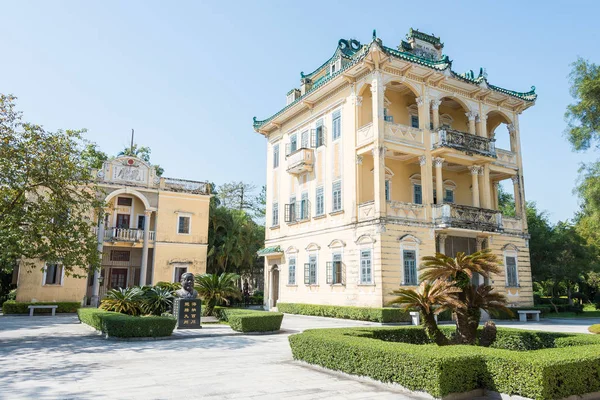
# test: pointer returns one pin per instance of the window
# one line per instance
(334, 270)
(386, 117)
(276, 156)
(293, 143)
(184, 224)
(290, 211)
(365, 267)
(141, 221)
(53, 274)
(123, 221)
(124, 201)
(178, 272)
(275, 217)
(320, 202)
(409, 258)
(335, 66)
(304, 139)
(512, 279)
(310, 271)
(448, 196)
(417, 194)
(119, 255)
(304, 207)
(292, 271)
(319, 139)
(337, 196)
(337, 125)
(387, 190)
(414, 121)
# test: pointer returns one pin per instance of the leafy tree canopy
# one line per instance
(583, 117)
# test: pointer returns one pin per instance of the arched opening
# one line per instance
(365, 110)
(274, 295)
(452, 112)
(497, 128)
(400, 104)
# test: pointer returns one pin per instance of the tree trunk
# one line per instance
(569, 293)
(467, 322)
(432, 330)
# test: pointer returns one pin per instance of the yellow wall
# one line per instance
(30, 288)
(170, 204)
(167, 255)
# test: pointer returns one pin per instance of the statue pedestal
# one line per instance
(187, 312)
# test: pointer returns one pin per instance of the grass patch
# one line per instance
(563, 364)
(114, 324)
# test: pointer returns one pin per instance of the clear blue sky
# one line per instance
(189, 76)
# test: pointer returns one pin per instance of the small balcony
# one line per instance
(125, 234)
(506, 159)
(300, 161)
(467, 217)
(465, 142)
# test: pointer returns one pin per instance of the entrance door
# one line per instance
(275, 283)
(123, 221)
(118, 278)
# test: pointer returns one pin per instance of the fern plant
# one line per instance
(157, 300)
(125, 301)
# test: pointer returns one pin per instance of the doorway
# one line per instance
(118, 278)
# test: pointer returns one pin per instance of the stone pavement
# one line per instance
(58, 358)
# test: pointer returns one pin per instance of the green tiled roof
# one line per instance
(354, 52)
(269, 250)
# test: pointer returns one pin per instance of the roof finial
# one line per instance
(374, 34)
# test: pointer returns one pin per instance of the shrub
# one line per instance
(594, 329)
(346, 312)
(544, 374)
(157, 300)
(488, 334)
(125, 301)
(114, 324)
(250, 320)
(12, 307)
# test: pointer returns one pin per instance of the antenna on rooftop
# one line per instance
(132, 141)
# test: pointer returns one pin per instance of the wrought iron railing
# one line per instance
(467, 217)
(462, 141)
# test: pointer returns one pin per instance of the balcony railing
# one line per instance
(364, 134)
(403, 134)
(300, 161)
(512, 224)
(406, 211)
(506, 158)
(470, 144)
(125, 235)
(467, 217)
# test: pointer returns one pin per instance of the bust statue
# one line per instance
(187, 290)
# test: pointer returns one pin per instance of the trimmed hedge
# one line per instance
(114, 324)
(543, 374)
(12, 307)
(594, 329)
(346, 312)
(242, 320)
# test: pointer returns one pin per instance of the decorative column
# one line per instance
(426, 178)
(95, 300)
(359, 160)
(517, 194)
(435, 106)
(439, 182)
(471, 116)
(475, 184)
(144, 269)
(378, 90)
(487, 195)
(512, 133)
(442, 242)
(483, 125)
(496, 191)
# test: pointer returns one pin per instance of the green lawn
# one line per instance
(589, 311)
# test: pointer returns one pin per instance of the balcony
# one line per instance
(364, 134)
(465, 142)
(506, 158)
(125, 234)
(408, 212)
(300, 161)
(403, 134)
(467, 217)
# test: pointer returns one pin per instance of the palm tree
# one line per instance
(215, 289)
(430, 299)
(460, 270)
(482, 297)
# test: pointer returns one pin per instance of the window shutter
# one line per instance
(287, 213)
(418, 194)
(307, 274)
(329, 273)
(511, 270)
(313, 139)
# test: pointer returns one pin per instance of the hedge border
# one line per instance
(383, 315)
(246, 321)
(14, 307)
(440, 371)
(114, 324)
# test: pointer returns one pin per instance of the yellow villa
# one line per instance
(154, 230)
(382, 156)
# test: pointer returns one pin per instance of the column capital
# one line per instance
(358, 100)
(471, 115)
(422, 161)
(511, 128)
(475, 169)
(438, 161)
(359, 159)
(496, 185)
(420, 101)
(515, 179)
(148, 212)
(435, 104)
(379, 150)
(442, 237)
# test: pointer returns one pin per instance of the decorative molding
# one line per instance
(337, 243)
(408, 237)
(359, 100)
(435, 104)
(359, 159)
(420, 101)
(515, 179)
(422, 160)
(438, 161)
(475, 169)
(312, 247)
(471, 115)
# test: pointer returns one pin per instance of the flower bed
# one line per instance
(250, 320)
(564, 365)
(12, 307)
(346, 312)
(114, 324)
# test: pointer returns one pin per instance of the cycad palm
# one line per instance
(215, 289)
(430, 299)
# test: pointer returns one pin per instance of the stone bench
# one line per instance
(31, 308)
(523, 315)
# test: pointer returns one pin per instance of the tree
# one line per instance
(92, 157)
(215, 289)
(47, 201)
(430, 299)
(241, 196)
(583, 117)
(143, 153)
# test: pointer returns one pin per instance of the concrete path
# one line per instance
(58, 358)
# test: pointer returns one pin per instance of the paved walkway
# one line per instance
(58, 358)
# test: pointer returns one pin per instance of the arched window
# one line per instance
(409, 256)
